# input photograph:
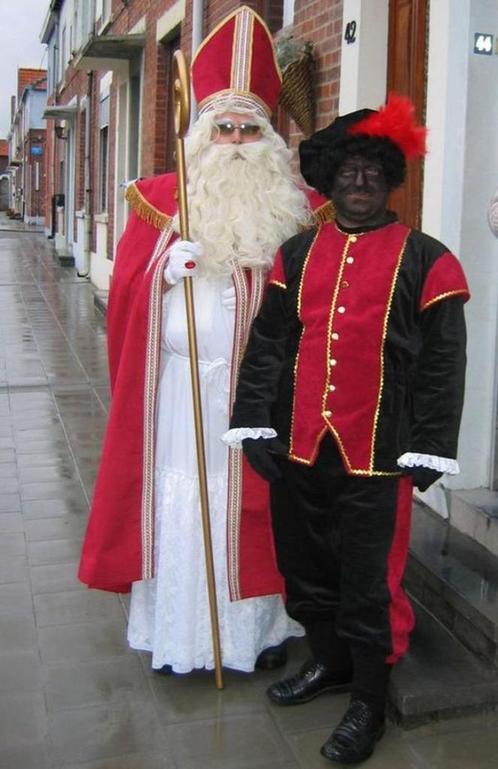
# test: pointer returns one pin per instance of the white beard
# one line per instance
(243, 203)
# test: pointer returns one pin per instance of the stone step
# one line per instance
(439, 678)
(475, 512)
(456, 580)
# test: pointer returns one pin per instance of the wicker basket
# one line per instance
(297, 95)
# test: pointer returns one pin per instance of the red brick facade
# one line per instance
(315, 21)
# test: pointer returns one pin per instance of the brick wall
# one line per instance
(320, 23)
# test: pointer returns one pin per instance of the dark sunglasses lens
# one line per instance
(246, 129)
(249, 129)
(225, 129)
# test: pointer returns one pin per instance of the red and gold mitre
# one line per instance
(237, 61)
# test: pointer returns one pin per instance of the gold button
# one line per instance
(332, 388)
(350, 259)
(344, 284)
(327, 413)
(353, 238)
(341, 310)
(335, 335)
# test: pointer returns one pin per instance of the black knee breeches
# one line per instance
(341, 545)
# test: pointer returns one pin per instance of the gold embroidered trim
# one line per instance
(242, 52)
(277, 283)
(344, 254)
(457, 292)
(232, 92)
(150, 389)
(383, 341)
(145, 210)
(222, 24)
(235, 456)
(324, 214)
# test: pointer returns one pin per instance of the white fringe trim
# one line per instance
(236, 435)
(441, 464)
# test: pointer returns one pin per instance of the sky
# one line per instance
(20, 26)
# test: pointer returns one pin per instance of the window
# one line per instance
(271, 11)
(103, 153)
(102, 13)
(63, 62)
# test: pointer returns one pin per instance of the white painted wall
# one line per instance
(461, 173)
(364, 62)
(100, 266)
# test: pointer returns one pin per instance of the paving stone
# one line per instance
(54, 578)
(23, 720)
(76, 685)
(33, 756)
(15, 598)
(53, 551)
(47, 508)
(466, 750)
(83, 641)
(21, 671)
(12, 543)
(133, 761)
(11, 522)
(17, 633)
(246, 742)
(76, 606)
(13, 569)
(63, 527)
(10, 503)
(87, 734)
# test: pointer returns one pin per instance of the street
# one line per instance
(72, 695)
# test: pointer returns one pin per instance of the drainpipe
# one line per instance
(87, 226)
(197, 25)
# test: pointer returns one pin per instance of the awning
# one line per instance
(60, 112)
(110, 52)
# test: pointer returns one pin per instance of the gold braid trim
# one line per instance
(145, 210)
(323, 214)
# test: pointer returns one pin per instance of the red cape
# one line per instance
(118, 545)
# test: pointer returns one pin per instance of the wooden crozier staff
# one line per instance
(182, 118)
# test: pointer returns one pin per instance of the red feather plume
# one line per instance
(395, 121)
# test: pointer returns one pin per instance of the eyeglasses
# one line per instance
(227, 128)
(370, 172)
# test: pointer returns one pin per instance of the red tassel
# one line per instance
(395, 121)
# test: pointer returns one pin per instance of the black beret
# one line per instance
(335, 133)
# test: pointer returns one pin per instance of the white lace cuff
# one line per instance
(441, 464)
(236, 435)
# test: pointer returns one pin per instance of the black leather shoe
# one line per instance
(355, 738)
(313, 679)
(272, 658)
(166, 670)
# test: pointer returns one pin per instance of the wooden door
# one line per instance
(407, 53)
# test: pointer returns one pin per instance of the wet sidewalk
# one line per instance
(72, 695)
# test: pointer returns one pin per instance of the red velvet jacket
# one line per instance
(361, 334)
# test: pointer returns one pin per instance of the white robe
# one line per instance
(169, 615)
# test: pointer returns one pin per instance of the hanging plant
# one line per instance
(295, 59)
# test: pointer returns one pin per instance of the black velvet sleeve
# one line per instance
(262, 364)
(438, 388)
